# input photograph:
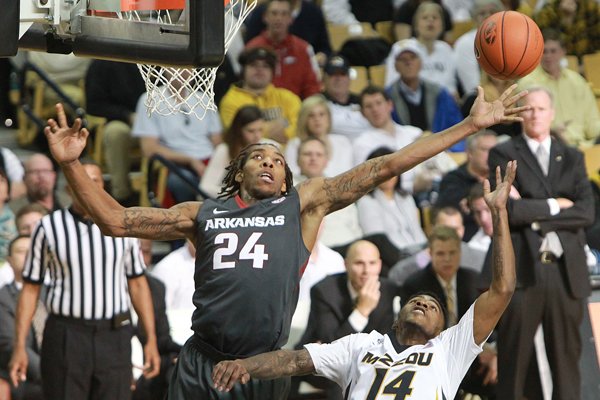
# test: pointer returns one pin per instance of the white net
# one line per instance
(186, 90)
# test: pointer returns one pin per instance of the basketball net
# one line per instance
(188, 91)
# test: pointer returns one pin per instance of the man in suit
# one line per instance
(31, 389)
(355, 301)
(551, 203)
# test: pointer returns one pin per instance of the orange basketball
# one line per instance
(508, 45)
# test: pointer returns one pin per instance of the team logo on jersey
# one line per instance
(248, 222)
(217, 211)
(421, 359)
(279, 200)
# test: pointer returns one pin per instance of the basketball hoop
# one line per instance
(185, 90)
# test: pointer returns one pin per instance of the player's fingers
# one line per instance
(507, 92)
(480, 93)
(85, 133)
(516, 111)
(514, 98)
(486, 187)
(62, 117)
(498, 175)
(47, 131)
(77, 125)
(511, 172)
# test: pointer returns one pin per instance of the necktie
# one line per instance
(450, 305)
(543, 158)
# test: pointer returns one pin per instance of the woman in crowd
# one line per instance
(393, 212)
(439, 65)
(314, 120)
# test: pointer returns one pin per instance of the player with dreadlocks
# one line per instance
(252, 246)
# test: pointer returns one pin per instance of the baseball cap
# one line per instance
(336, 64)
(258, 53)
(407, 45)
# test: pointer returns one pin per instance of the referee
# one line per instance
(86, 351)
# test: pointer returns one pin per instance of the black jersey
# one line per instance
(249, 261)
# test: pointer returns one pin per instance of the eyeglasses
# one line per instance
(40, 171)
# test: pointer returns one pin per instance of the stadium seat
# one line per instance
(377, 75)
(592, 160)
(386, 30)
(339, 34)
(591, 70)
(359, 79)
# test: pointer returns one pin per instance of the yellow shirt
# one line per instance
(574, 104)
(275, 103)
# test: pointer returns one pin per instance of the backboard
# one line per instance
(176, 33)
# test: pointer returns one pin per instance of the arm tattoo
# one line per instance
(280, 363)
(157, 223)
(352, 185)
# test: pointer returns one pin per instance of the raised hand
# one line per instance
(496, 200)
(66, 142)
(486, 114)
(228, 373)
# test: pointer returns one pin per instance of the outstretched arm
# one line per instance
(491, 304)
(66, 145)
(272, 365)
(338, 192)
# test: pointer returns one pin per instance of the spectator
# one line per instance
(348, 12)
(467, 66)
(27, 218)
(279, 106)
(31, 389)
(40, 182)
(469, 258)
(88, 332)
(456, 287)
(8, 229)
(246, 128)
(355, 301)
(417, 101)
(156, 388)
(578, 21)
(176, 272)
(297, 68)
(481, 240)
(308, 23)
(439, 65)
(314, 120)
(404, 20)
(112, 90)
(346, 118)
(377, 107)
(576, 116)
(15, 172)
(340, 228)
(180, 138)
(393, 212)
(551, 205)
(455, 186)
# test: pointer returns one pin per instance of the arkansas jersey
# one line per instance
(370, 366)
(249, 261)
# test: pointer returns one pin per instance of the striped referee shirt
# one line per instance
(88, 271)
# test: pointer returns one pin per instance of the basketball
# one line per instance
(508, 45)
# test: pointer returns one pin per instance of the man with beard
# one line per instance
(40, 183)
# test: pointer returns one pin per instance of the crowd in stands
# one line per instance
(426, 230)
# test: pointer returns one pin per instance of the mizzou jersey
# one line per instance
(371, 366)
(249, 261)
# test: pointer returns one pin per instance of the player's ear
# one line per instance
(284, 188)
(239, 177)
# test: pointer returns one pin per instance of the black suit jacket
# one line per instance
(9, 296)
(566, 178)
(331, 305)
(425, 280)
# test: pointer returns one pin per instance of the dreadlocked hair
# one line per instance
(231, 187)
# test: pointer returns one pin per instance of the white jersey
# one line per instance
(370, 367)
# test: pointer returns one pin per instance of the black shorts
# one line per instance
(192, 379)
